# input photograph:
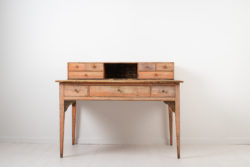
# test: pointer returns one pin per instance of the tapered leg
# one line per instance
(170, 113)
(177, 119)
(73, 122)
(62, 118)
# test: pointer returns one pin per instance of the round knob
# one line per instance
(76, 90)
(164, 66)
(85, 75)
(156, 74)
(119, 90)
(77, 66)
(94, 66)
(164, 91)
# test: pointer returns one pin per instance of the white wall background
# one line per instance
(207, 39)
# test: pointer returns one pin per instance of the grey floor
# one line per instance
(35, 155)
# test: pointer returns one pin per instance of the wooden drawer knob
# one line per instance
(164, 91)
(85, 75)
(77, 66)
(94, 66)
(119, 90)
(76, 90)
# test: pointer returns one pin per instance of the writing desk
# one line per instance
(165, 90)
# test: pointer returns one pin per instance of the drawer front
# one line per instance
(75, 90)
(118, 91)
(163, 91)
(165, 66)
(85, 75)
(156, 75)
(94, 67)
(85, 66)
(76, 67)
(146, 67)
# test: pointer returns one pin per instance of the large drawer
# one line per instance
(118, 91)
(163, 91)
(75, 90)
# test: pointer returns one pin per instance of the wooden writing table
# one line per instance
(142, 81)
(167, 91)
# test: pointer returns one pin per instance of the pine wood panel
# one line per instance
(75, 90)
(85, 75)
(121, 98)
(163, 91)
(156, 75)
(115, 91)
(122, 81)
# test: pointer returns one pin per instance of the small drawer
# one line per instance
(165, 66)
(75, 90)
(76, 67)
(119, 91)
(156, 75)
(146, 67)
(163, 91)
(85, 75)
(85, 67)
(94, 67)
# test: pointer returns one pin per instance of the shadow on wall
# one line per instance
(122, 122)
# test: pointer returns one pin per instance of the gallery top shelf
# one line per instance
(120, 70)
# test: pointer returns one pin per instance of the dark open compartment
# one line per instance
(120, 70)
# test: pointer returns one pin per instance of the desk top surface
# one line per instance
(138, 81)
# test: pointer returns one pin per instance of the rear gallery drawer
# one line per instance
(165, 66)
(156, 75)
(85, 67)
(85, 75)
